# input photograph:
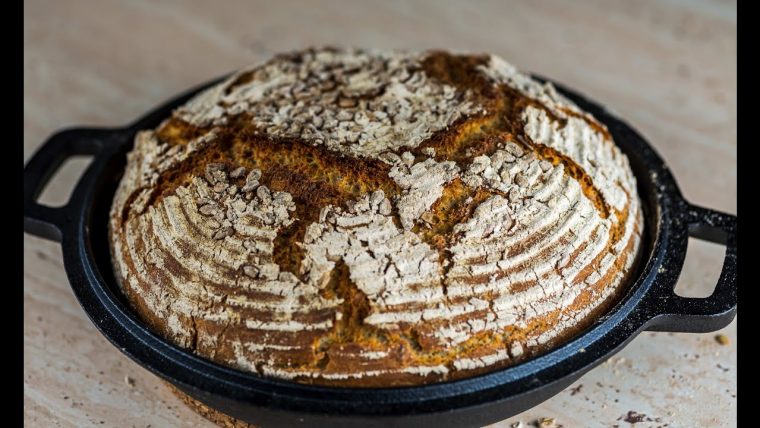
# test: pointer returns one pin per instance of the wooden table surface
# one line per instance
(668, 67)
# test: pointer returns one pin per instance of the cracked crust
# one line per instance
(369, 218)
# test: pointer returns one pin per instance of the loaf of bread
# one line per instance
(374, 218)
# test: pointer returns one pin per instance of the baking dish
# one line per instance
(648, 304)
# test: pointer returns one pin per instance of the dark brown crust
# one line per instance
(215, 416)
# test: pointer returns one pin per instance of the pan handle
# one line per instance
(45, 221)
(699, 315)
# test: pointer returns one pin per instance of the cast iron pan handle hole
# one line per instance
(701, 269)
(57, 193)
(677, 313)
(41, 215)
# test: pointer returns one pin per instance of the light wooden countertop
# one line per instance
(667, 67)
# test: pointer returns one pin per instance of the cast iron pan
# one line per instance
(650, 303)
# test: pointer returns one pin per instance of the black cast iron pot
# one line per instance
(649, 304)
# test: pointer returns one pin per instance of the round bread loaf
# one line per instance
(372, 218)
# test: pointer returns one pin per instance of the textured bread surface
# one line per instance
(372, 218)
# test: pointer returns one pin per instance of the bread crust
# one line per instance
(215, 416)
(371, 218)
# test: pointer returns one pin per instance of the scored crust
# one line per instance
(373, 218)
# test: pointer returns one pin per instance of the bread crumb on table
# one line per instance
(722, 339)
(546, 422)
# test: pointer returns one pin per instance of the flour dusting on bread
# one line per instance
(372, 218)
